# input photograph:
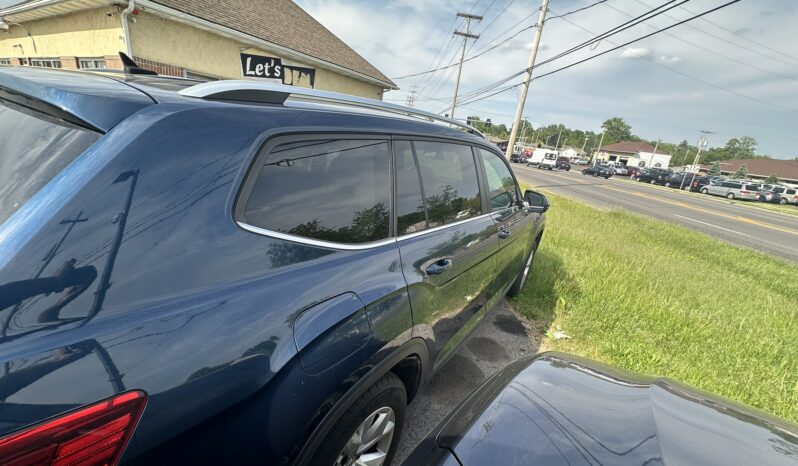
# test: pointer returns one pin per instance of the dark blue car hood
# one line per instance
(556, 409)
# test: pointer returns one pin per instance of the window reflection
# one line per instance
(410, 213)
(450, 182)
(502, 190)
(333, 190)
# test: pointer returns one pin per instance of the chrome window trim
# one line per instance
(351, 247)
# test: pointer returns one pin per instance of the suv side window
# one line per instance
(330, 189)
(502, 191)
(411, 216)
(450, 182)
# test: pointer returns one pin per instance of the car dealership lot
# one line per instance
(772, 232)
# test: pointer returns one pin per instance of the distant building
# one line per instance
(634, 154)
(570, 152)
(759, 169)
(268, 40)
(501, 143)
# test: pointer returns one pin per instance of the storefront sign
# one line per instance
(258, 66)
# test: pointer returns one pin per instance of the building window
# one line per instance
(92, 63)
(46, 62)
(5, 61)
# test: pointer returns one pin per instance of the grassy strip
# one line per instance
(663, 300)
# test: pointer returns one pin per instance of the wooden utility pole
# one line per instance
(466, 35)
(525, 87)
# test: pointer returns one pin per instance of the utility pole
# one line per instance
(466, 35)
(411, 96)
(582, 152)
(557, 144)
(525, 88)
(651, 160)
(601, 141)
(702, 144)
(684, 160)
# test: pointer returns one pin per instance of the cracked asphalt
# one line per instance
(502, 337)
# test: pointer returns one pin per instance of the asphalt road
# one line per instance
(734, 222)
(499, 339)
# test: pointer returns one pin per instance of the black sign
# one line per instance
(258, 66)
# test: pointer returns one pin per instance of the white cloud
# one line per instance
(636, 52)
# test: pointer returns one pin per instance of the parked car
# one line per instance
(598, 170)
(678, 180)
(654, 175)
(581, 161)
(697, 183)
(563, 163)
(558, 409)
(787, 195)
(633, 172)
(618, 168)
(768, 195)
(246, 271)
(733, 190)
(518, 158)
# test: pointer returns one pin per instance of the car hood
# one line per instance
(556, 409)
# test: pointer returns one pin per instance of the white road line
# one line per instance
(713, 226)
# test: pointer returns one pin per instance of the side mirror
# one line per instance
(536, 202)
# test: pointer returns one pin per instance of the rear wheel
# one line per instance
(782, 201)
(730, 196)
(520, 280)
(704, 191)
(369, 431)
(667, 184)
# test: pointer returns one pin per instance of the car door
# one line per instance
(514, 223)
(447, 241)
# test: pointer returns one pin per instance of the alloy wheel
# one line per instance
(370, 443)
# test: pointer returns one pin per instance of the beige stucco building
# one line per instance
(272, 40)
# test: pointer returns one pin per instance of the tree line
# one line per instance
(616, 129)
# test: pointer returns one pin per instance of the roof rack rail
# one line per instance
(250, 91)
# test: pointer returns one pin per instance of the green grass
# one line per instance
(663, 300)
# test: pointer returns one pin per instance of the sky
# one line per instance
(733, 72)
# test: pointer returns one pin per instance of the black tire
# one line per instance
(653, 181)
(667, 184)
(390, 392)
(520, 280)
(782, 201)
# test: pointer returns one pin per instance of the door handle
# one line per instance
(439, 267)
(504, 234)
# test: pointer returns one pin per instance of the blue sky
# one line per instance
(655, 84)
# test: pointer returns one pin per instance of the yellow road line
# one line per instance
(709, 212)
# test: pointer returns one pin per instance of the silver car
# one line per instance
(733, 190)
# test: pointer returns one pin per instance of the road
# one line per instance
(767, 231)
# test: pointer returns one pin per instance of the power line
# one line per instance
(686, 75)
(740, 62)
(577, 10)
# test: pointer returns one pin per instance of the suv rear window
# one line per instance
(34, 148)
(332, 190)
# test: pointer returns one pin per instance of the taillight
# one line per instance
(90, 436)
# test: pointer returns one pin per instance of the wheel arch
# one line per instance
(409, 362)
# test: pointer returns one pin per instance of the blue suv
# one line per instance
(235, 272)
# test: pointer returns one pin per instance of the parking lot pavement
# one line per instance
(501, 338)
(768, 231)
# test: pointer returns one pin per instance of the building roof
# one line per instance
(280, 22)
(784, 169)
(632, 147)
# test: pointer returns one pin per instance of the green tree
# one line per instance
(714, 170)
(616, 130)
(772, 179)
(742, 173)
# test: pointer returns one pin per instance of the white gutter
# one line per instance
(125, 29)
(252, 40)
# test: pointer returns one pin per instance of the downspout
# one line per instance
(131, 5)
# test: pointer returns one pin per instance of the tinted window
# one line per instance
(33, 149)
(502, 192)
(450, 182)
(790, 191)
(410, 216)
(333, 190)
